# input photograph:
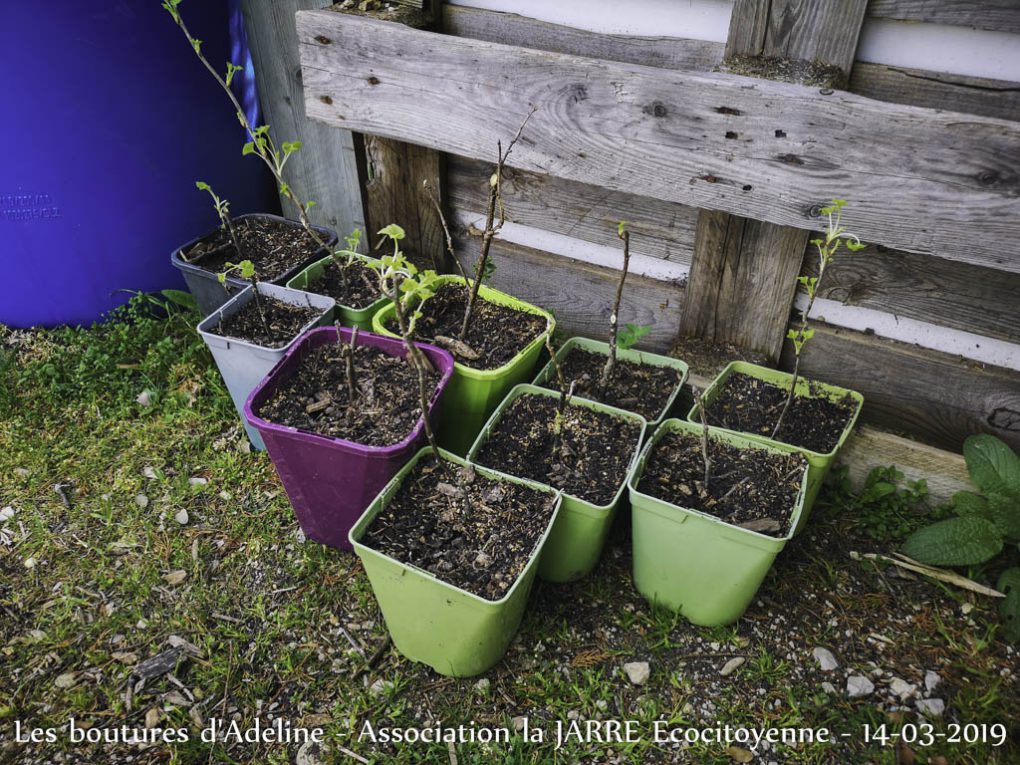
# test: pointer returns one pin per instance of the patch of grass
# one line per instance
(280, 626)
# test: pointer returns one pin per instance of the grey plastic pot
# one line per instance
(204, 285)
(243, 364)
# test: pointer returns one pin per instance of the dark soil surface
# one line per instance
(316, 397)
(468, 530)
(497, 333)
(275, 247)
(751, 405)
(353, 285)
(752, 488)
(266, 321)
(640, 388)
(589, 460)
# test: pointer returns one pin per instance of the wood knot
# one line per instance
(988, 178)
(656, 109)
(728, 110)
(373, 80)
(790, 159)
(709, 178)
(321, 39)
(326, 99)
(731, 134)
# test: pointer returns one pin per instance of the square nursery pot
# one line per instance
(692, 562)
(548, 372)
(205, 286)
(474, 393)
(576, 540)
(344, 314)
(330, 481)
(455, 632)
(819, 463)
(243, 364)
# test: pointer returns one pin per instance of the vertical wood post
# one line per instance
(743, 275)
(326, 169)
(393, 172)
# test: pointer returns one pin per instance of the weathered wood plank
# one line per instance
(915, 179)
(395, 193)
(824, 31)
(937, 90)
(326, 170)
(393, 173)
(868, 448)
(996, 15)
(956, 295)
(743, 272)
(939, 398)
(580, 295)
(658, 229)
(742, 282)
(512, 29)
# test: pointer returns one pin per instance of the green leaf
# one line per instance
(181, 298)
(248, 148)
(1009, 607)
(1004, 511)
(969, 503)
(202, 186)
(393, 231)
(963, 541)
(621, 228)
(289, 147)
(992, 464)
(631, 334)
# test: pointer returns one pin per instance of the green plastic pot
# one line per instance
(344, 314)
(473, 394)
(455, 632)
(576, 540)
(692, 562)
(820, 463)
(548, 372)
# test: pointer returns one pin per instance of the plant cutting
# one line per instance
(450, 550)
(610, 372)
(345, 410)
(710, 512)
(252, 331)
(348, 277)
(494, 338)
(279, 248)
(986, 529)
(779, 407)
(582, 448)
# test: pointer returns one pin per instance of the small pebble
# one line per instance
(858, 686)
(931, 707)
(826, 661)
(637, 672)
(732, 666)
(181, 516)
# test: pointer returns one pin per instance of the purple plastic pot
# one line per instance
(330, 481)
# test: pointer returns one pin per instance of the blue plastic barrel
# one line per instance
(108, 121)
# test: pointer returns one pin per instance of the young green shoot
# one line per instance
(407, 288)
(348, 355)
(492, 226)
(836, 236)
(614, 317)
(260, 142)
(561, 383)
(246, 270)
(704, 438)
(223, 211)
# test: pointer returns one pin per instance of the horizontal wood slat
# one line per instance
(995, 15)
(524, 32)
(939, 398)
(956, 295)
(937, 90)
(658, 229)
(915, 179)
(580, 295)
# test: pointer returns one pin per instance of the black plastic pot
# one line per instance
(204, 285)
